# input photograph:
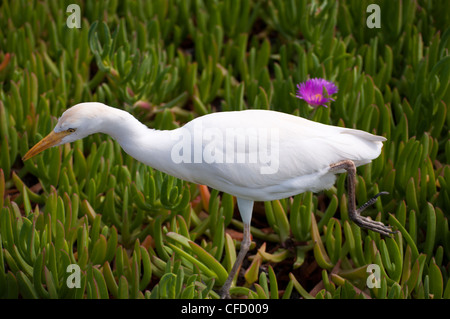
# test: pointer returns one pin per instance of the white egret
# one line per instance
(255, 155)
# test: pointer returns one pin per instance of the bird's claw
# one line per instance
(365, 222)
(368, 223)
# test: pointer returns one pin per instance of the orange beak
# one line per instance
(50, 140)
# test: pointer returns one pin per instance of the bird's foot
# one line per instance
(224, 293)
(365, 222)
(368, 223)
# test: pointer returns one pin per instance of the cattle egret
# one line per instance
(255, 155)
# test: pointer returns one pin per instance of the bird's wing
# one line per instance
(278, 148)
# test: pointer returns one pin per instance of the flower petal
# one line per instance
(311, 91)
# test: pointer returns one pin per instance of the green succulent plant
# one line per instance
(135, 232)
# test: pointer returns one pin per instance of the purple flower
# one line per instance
(312, 91)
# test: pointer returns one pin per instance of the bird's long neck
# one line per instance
(149, 146)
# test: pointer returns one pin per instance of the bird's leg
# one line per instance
(245, 245)
(355, 214)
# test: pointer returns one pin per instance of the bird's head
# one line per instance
(75, 123)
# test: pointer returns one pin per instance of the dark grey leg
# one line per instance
(355, 214)
(245, 245)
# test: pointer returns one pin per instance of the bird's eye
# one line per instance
(71, 130)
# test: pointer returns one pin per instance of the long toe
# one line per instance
(373, 225)
(371, 201)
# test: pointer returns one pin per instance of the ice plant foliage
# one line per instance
(312, 91)
(136, 232)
